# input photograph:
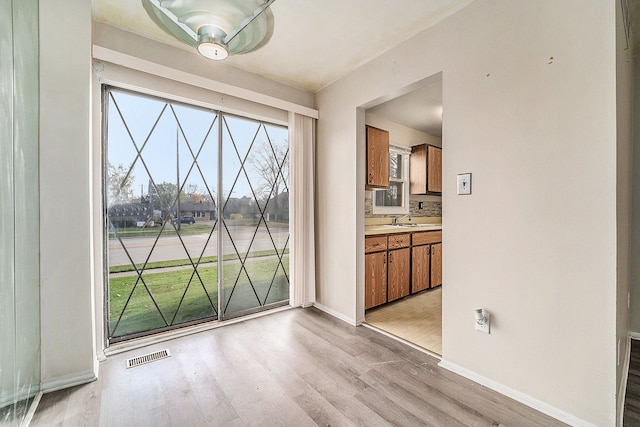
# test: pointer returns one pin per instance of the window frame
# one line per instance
(405, 152)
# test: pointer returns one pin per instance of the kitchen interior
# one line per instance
(403, 217)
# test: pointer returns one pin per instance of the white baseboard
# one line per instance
(622, 389)
(335, 314)
(523, 398)
(66, 382)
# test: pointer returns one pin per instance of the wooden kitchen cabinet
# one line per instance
(399, 267)
(375, 271)
(377, 158)
(420, 268)
(398, 275)
(426, 260)
(425, 171)
(436, 265)
(400, 264)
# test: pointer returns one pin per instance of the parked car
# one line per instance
(185, 219)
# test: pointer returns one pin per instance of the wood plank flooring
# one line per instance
(298, 367)
(416, 318)
(632, 400)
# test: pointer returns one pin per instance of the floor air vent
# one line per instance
(148, 358)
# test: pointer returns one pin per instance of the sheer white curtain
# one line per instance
(302, 161)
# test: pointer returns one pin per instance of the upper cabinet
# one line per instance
(377, 158)
(425, 169)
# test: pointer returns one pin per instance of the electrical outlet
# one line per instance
(484, 327)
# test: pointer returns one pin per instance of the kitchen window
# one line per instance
(395, 199)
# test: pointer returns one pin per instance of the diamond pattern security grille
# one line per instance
(171, 262)
(256, 155)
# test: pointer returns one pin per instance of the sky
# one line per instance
(178, 127)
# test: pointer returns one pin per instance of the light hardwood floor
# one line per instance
(417, 319)
(298, 367)
(632, 399)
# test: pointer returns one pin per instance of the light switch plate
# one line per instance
(464, 183)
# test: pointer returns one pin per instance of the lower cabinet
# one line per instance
(397, 265)
(426, 260)
(375, 279)
(398, 274)
(420, 268)
(436, 265)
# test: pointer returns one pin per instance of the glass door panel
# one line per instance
(255, 215)
(161, 214)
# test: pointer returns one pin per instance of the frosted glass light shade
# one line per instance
(184, 19)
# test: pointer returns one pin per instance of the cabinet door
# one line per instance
(375, 279)
(434, 169)
(377, 158)
(418, 169)
(420, 273)
(436, 265)
(398, 273)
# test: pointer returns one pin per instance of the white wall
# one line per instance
(529, 95)
(68, 355)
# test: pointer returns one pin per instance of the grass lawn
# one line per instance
(168, 289)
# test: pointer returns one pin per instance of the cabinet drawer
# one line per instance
(375, 244)
(426, 237)
(399, 241)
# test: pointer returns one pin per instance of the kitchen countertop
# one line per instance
(370, 230)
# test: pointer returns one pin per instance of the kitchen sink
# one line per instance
(412, 225)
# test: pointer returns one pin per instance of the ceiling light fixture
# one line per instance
(217, 28)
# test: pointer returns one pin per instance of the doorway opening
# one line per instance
(408, 301)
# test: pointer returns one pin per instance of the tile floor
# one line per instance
(416, 318)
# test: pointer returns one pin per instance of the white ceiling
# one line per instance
(314, 43)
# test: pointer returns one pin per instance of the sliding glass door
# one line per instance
(255, 224)
(196, 214)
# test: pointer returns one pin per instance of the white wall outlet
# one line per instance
(483, 321)
(464, 183)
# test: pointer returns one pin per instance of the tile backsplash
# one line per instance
(430, 208)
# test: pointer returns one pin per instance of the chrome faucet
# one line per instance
(396, 219)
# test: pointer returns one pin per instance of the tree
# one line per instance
(163, 196)
(198, 194)
(271, 167)
(119, 184)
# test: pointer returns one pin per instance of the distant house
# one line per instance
(203, 210)
(130, 214)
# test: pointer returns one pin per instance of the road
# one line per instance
(170, 247)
